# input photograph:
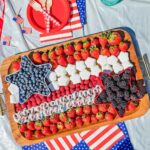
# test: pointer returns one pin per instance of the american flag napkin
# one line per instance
(73, 24)
(26, 30)
(18, 19)
(6, 40)
(112, 137)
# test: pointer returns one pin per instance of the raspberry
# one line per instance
(121, 112)
(123, 104)
(114, 103)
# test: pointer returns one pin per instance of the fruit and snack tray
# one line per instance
(92, 81)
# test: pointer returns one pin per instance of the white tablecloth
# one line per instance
(130, 13)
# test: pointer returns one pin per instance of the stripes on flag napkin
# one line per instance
(112, 137)
(73, 24)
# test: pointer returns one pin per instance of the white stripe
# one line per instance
(63, 144)
(77, 137)
(54, 144)
(112, 141)
(75, 19)
(84, 133)
(95, 134)
(104, 137)
(76, 25)
(74, 11)
(73, 4)
(61, 35)
(47, 146)
(66, 27)
(70, 140)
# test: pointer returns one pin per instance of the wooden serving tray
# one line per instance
(141, 109)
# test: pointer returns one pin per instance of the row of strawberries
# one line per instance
(75, 117)
(108, 43)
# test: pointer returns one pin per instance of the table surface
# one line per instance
(130, 13)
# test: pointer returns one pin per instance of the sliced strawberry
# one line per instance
(79, 122)
(114, 50)
(23, 128)
(77, 56)
(105, 52)
(109, 116)
(100, 115)
(46, 122)
(94, 109)
(38, 125)
(87, 109)
(70, 59)
(63, 117)
(36, 57)
(60, 125)
(45, 57)
(16, 65)
(78, 46)
(46, 131)
(85, 54)
(71, 113)
(29, 134)
(79, 111)
(62, 61)
(102, 107)
(38, 134)
(52, 55)
(86, 119)
(124, 46)
(54, 118)
(94, 52)
(93, 119)
(53, 128)
(87, 43)
(69, 49)
(31, 126)
(103, 39)
(59, 50)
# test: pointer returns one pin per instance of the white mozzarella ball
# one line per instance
(107, 68)
(112, 60)
(60, 71)
(14, 99)
(123, 56)
(55, 84)
(90, 62)
(102, 60)
(85, 74)
(117, 68)
(63, 81)
(71, 69)
(13, 89)
(52, 76)
(127, 64)
(80, 65)
(75, 79)
(95, 70)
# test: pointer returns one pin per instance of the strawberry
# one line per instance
(29, 104)
(94, 109)
(53, 128)
(93, 119)
(102, 107)
(24, 105)
(31, 125)
(77, 55)
(114, 50)
(38, 100)
(86, 119)
(36, 57)
(46, 122)
(123, 46)
(79, 122)
(29, 134)
(78, 46)
(71, 113)
(69, 123)
(44, 57)
(23, 128)
(62, 61)
(79, 111)
(54, 118)
(100, 115)
(103, 39)
(87, 109)
(16, 65)
(54, 64)
(59, 50)
(69, 49)
(105, 52)
(70, 60)
(114, 38)
(87, 43)
(52, 55)
(85, 54)
(60, 125)
(112, 110)
(95, 52)
(95, 42)
(131, 106)
(38, 125)
(109, 116)
(38, 134)
(46, 131)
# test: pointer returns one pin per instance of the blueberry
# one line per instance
(121, 112)
(114, 103)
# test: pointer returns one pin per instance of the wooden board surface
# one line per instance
(141, 110)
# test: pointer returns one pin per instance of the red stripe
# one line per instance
(77, 28)
(75, 15)
(74, 138)
(67, 142)
(88, 134)
(74, 8)
(115, 142)
(59, 144)
(72, 1)
(49, 34)
(50, 145)
(107, 139)
(100, 135)
(56, 39)
(75, 22)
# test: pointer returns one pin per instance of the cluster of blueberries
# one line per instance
(30, 79)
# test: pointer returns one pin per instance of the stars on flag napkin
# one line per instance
(114, 137)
